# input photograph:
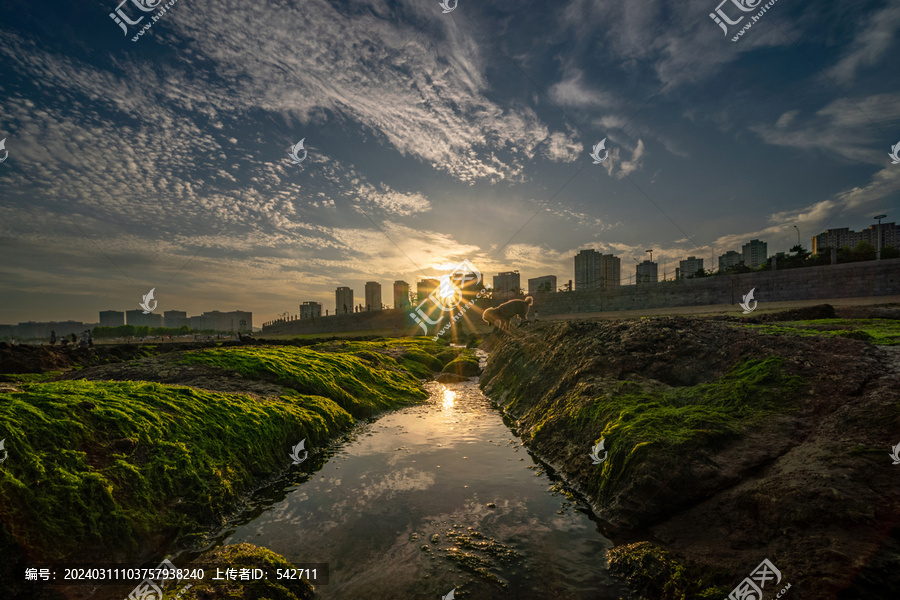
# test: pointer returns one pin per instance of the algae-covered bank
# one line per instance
(724, 445)
(113, 464)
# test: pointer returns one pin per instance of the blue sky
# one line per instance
(431, 138)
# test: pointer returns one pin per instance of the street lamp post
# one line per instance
(798, 233)
(879, 217)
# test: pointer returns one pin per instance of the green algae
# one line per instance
(359, 387)
(655, 573)
(884, 332)
(243, 556)
(663, 425)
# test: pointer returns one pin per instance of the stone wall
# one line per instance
(871, 278)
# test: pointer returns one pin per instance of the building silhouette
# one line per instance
(235, 320)
(137, 318)
(844, 236)
(176, 318)
(310, 310)
(507, 284)
(424, 287)
(646, 272)
(547, 281)
(373, 295)
(730, 259)
(754, 253)
(688, 267)
(111, 318)
(343, 301)
(594, 270)
(401, 295)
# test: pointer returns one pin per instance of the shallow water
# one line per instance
(428, 470)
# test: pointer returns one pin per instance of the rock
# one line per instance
(450, 378)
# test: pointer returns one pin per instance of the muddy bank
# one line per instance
(726, 445)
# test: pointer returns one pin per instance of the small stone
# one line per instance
(491, 505)
(435, 538)
(425, 547)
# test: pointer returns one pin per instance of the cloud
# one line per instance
(873, 40)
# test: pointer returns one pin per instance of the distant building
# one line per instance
(755, 253)
(235, 320)
(587, 270)
(137, 318)
(594, 270)
(343, 301)
(310, 310)
(401, 295)
(838, 238)
(647, 272)
(688, 267)
(424, 288)
(730, 259)
(546, 283)
(33, 330)
(111, 318)
(507, 284)
(173, 319)
(373, 295)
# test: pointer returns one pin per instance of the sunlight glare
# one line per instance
(449, 397)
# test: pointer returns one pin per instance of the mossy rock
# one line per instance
(237, 557)
(419, 356)
(857, 335)
(467, 366)
(655, 574)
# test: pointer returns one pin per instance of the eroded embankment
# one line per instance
(726, 445)
(114, 462)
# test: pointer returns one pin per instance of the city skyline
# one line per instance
(428, 138)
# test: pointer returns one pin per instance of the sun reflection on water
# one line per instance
(449, 397)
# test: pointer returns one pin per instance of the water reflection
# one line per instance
(431, 498)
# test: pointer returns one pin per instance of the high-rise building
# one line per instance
(646, 272)
(610, 271)
(730, 259)
(343, 301)
(844, 236)
(373, 296)
(587, 270)
(507, 284)
(176, 318)
(755, 253)
(546, 283)
(401, 295)
(139, 319)
(112, 318)
(688, 267)
(310, 310)
(424, 288)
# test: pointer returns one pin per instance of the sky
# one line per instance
(430, 137)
